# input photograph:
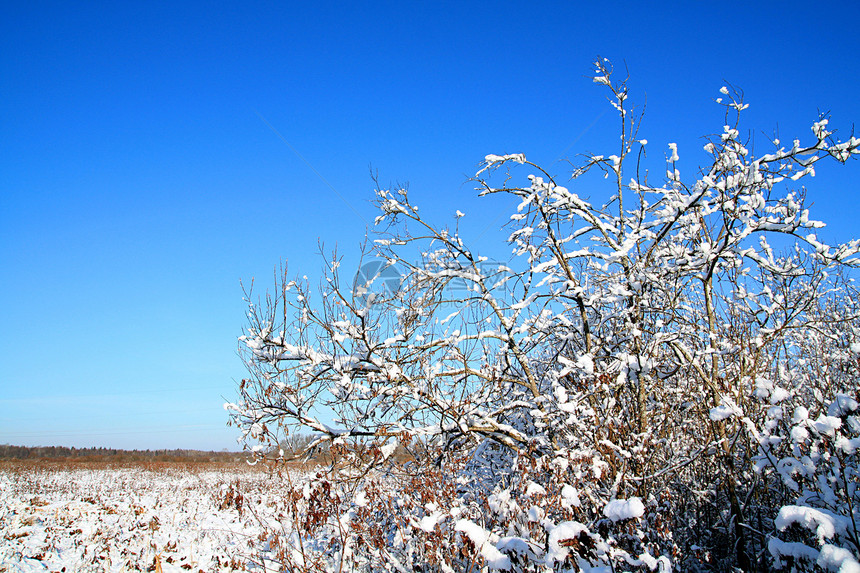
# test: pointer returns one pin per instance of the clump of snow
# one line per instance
(586, 363)
(493, 160)
(558, 535)
(847, 445)
(798, 552)
(429, 522)
(827, 425)
(569, 497)
(801, 414)
(480, 537)
(799, 434)
(843, 405)
(535, 489)
(725, 410)
(621, 509)
(825, 525)
(513, 544)
(779, 395)
(837, 559)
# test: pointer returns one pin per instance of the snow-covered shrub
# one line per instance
(612, 397)
(809, 440)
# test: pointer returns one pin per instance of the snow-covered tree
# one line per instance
(667, 377)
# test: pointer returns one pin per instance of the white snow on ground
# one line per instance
(124, 519)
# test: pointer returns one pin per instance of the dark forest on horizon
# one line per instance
(9, 452)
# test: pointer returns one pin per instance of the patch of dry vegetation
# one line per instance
(64, 515)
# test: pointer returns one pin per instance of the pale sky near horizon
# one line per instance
(141, 179)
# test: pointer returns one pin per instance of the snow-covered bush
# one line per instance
(808, 440)
(646, 383)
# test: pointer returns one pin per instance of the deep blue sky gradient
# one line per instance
(139, 181)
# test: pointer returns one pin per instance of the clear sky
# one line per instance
(139, 180)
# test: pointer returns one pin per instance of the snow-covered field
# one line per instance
(133, 518)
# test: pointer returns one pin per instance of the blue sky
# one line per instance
(139, 181)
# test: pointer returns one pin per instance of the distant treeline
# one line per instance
(110, 454)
